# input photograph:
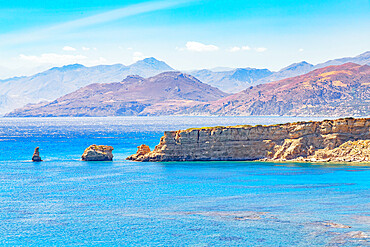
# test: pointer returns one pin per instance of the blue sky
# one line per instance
(187, 34)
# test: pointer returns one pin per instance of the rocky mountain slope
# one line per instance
(232, 81)
(333, 90)
(163, 94)
(56, 82)
(328, 140)
(303, 67)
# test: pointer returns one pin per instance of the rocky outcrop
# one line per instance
(357, 151)
(326, 140)
(142, 150)
(98, 153)
(36, 155)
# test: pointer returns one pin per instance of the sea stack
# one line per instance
(98, 153)
(36, 155)
(141, 151)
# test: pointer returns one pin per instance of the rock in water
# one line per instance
(141, 151)
(36, 155)
(98, 153)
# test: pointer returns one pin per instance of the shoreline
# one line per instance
(339, 140)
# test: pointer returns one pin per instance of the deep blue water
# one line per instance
(65, 201)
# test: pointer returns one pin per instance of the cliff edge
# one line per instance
(329, 140)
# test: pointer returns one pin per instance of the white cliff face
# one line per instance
(277, 142)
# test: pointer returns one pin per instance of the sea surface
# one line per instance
(67, 202)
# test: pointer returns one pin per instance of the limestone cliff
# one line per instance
(304, 141)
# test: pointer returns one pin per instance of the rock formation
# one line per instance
(98, 153)
(142, 150)
(328, 140)
(36, 155)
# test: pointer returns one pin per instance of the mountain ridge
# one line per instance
(134, 95)
(58, 81)
(332, 90)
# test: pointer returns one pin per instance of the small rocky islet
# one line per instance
(340, 140)
(98, 153)
(36, 155)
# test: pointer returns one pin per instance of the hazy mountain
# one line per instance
(48, 85)
(163, 94)
(361, 59)
(56, 82)
(303, 67)
(231, 81)
(289, 71)
(333, 90)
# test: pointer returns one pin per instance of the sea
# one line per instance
(64, 201)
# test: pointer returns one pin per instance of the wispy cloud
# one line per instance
(61, 59)
(199, 47)
(68, 48)
(109, 16)
(136, 56)
(52, 58)
(261, 49)
(237, 48)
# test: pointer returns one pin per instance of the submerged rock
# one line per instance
(142, 150)
(335, 225)
(98, 153)
(36, 155)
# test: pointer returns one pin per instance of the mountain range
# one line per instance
(330, 91)
(163, 94)
(303, 67)
(53, 83)
(339, 90)
(56, 82)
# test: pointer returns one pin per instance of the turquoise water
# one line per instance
(64, 201)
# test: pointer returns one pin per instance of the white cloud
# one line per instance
(199, 47)
(237, 48)
(300, 50)
(261, 49)
(138, 56)
(68, 48)
(85, 48)
(234, 49)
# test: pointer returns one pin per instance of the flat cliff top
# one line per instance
(279, 125)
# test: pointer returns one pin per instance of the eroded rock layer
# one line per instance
(305, 141)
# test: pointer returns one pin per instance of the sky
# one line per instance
(186, 34)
